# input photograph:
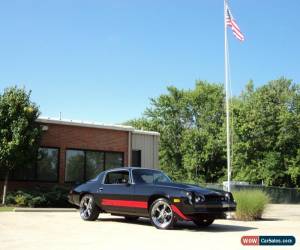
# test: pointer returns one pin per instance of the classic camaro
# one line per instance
(140, 192)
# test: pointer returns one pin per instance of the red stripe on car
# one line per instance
(124, 203)
(179, 213)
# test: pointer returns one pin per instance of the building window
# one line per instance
(24, 173)
(136, 156)
(82, 165)
(94, 164)
(44, 168)
(75, 161)
(113, 160)
(47, 164)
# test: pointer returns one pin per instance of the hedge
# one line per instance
(39, 197)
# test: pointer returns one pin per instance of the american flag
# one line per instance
(230, 22)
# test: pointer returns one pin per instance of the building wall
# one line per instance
(148, 144)
(74, 137)
(66, 136)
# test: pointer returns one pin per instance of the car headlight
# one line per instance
(190, 197)
(199, 198)
(228, 197)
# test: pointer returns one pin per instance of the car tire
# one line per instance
(131, 218)
(161, 214)
(203, 222)
(88, 209)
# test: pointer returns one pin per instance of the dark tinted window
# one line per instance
(94, 164)
(113, 160)
(26, 172)
(74, 165)
(82, 165)
(117, 177)
(136, 158)
(43, 168)
(47, 164)
(148, 176)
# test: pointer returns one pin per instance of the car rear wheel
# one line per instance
(203, 222)
(131, 218)
(161, 214)
(88, 208)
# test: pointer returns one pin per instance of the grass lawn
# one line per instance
(6, 209)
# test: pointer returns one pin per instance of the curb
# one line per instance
(29, 209)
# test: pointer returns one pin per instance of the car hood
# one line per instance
(191, 187)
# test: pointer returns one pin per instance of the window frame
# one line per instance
(117, 170)
(84, 164)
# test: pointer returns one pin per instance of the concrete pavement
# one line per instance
(58, 230)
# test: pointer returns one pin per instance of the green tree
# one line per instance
(203, 146)
(19, 132)
(191, 126)
(167, 116)
(267, 133)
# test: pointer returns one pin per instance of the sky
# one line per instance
(104, 60)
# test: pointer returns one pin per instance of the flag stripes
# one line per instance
(230, 22)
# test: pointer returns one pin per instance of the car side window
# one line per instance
(117, 177)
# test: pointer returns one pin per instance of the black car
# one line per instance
(141, 192)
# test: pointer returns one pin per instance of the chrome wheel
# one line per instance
(86, 206)
(162, 214)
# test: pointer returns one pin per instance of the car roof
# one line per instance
(129, 168)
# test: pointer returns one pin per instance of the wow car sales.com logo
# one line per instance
(268, 240)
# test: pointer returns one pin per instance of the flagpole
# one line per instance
(227, 99)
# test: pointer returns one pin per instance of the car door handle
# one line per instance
(100, 189)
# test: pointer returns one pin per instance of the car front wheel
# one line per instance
(88, 208)
(203, 222)
(161, 214)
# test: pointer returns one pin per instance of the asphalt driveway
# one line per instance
(61, 230)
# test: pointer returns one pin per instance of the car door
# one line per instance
(116, 192)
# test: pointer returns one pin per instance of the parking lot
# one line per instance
(65, 230)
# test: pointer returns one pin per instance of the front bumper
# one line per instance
(222, 206)
(216, 210)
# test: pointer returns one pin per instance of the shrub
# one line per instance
(20, 200)
(39, 197)
(250, 204)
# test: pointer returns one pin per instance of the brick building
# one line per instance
(72, 151)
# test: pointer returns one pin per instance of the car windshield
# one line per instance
(148, 176)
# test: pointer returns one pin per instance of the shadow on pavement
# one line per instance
(270, 219)
(185, 226)
(214, 228)
(141, 221)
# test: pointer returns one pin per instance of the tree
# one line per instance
(203, 147)
(19, 132)
(191, 126)
(267, 134)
